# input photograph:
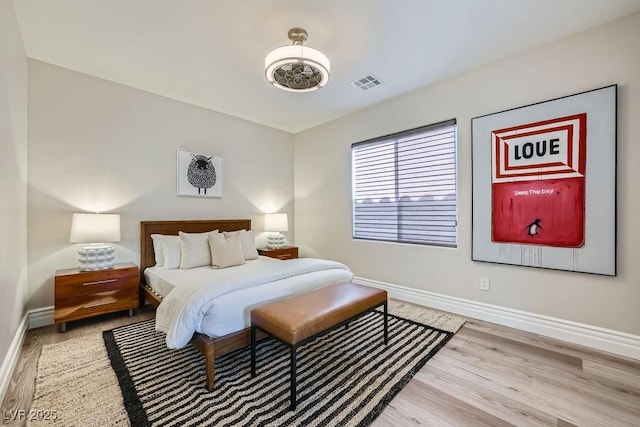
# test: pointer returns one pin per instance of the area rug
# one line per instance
(345, 378)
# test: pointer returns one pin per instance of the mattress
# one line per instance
(230, 312)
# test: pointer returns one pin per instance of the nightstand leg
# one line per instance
(131, 312)
(63, 327)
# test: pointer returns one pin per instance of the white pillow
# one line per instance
(157, 249)
(247, 242)
(194, 249)
(166, 249)
(225, 251)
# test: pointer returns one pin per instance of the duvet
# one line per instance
(185, 309)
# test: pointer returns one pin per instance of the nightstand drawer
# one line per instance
(288, 252)
(91, 285)
(81, 306)
(287, 255)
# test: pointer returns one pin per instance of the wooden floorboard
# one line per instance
(486, 375)
(422, 404)
(501, 405)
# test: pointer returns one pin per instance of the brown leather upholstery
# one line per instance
(297, 318)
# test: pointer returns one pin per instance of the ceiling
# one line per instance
(211, 53)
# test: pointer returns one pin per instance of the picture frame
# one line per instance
(544, 184)
(199, 174)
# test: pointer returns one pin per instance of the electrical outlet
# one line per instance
(484, 283)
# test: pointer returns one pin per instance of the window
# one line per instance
(404, 186)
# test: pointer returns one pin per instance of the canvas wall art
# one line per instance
(544, 184)
(199, 174)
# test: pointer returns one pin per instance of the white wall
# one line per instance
(13, 183)
(97, 145)
(587, 61)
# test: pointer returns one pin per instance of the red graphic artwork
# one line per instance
(538, 182)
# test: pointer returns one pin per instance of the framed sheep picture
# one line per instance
(199, 174)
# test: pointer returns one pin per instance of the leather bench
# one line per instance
(300, 319)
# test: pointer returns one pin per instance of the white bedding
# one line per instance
(163, 280)
(217, 302)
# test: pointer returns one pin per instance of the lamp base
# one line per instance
(96, 257)
(275, 241)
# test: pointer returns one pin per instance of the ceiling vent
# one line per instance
(367, 82)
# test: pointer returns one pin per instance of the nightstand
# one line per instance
(286, 252)
(82, 294)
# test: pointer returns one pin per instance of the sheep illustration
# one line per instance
(201, 173)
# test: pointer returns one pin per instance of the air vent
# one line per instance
(367, 82)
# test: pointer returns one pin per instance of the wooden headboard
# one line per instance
(147, 228)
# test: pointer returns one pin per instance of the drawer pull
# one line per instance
(99, 303)
(99, 282)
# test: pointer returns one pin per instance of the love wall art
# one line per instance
(544, 184)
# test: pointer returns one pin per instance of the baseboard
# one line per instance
(619, 343)
(32, 319)
(11, 358)
(41, 317)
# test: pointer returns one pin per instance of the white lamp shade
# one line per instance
(276, 222)
(95, 228)
(297, 54)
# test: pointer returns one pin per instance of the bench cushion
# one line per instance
(302, 316)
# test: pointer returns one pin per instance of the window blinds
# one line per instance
(404, 186)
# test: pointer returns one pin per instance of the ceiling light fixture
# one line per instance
(297, 68)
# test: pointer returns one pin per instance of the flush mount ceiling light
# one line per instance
(297, 68)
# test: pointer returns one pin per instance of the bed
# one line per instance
(221, 336)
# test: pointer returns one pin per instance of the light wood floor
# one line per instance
(487, 375)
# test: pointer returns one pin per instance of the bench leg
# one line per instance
(386, 324)
(293, 378)
(253, 351)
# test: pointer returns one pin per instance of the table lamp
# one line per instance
(275, 223)
(98, 230)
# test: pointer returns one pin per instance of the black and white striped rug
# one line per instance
(345, 378)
